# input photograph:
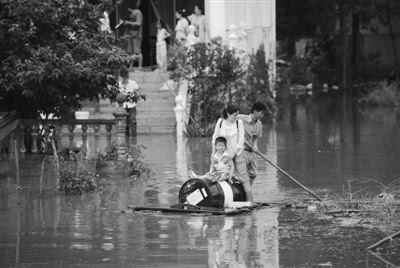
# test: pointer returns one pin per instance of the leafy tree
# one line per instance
(307, 18)
(214, 74)
(387, 11)
(53, 56)
(258, 78)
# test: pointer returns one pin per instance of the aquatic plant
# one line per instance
(383, 94)
(138, 167)
(197, 130)
(380, 210)
(77, 177)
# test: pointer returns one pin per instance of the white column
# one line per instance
(215, 13)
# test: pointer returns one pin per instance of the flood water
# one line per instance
(324, 145)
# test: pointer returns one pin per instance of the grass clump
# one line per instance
(383, 94)
(381, 210)
(77, 177)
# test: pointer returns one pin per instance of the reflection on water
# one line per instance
(322, 145)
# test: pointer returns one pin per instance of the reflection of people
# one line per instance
(253, 131)
(181, 25)
(162, 35)
(134, 31)
(200, 23)
(231, 128)
(221, 167)
(128, 87)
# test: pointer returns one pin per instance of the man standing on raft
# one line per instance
(252, 131)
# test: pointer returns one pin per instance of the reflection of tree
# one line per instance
(386, 116)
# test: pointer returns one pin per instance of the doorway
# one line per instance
(149, 8)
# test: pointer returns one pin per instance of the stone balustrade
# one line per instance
(29, 131)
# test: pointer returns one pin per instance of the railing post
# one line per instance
(233, 38)
(120, 123)
(108, 137)
(46, 137)
(21, 127)
(96, 138)
(71, 137)
(35, 136)
(12, 134)
(57, 134)
(84, 138)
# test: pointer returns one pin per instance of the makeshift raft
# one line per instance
(207, 197)
(188, 208)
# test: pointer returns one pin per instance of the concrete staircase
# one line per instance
(155, 115)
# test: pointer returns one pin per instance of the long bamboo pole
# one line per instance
(383, 241)
(290, 177)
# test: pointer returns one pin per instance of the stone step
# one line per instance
(140, 77)
(159, 109)
(153, 120)
(159, 93)
(155, 115)
(164, 115)
(157, 130)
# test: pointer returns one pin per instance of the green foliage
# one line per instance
(53, 56)
(138, 165)
(298, 72)
(81, 179)
(383, 94)
(307, 18)
(258, 80)
(215, 75)
(196, 130)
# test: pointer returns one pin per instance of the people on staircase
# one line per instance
(128, 87)
(199, 21)
(182, 23)
(134, 30)
(162, 37)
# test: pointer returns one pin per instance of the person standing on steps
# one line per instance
(162, 38)
(181, 30)
(199, 21)
(129, 87)
(134, 31)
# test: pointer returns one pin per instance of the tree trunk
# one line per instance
(355, 56)
(343, 37)
(291, 47)
(393, 36)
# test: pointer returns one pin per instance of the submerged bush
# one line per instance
(383, 94)
(196, 130)
(217, 75)
(138, 167)
(77, 177)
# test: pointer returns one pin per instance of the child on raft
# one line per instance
(221, 167)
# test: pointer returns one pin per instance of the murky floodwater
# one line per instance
(323, 145)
